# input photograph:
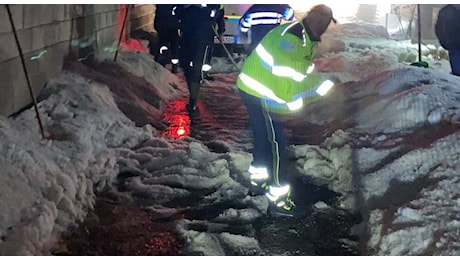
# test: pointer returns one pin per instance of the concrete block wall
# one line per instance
(141, 17)
(49, 33)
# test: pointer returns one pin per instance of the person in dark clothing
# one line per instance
(259, 19)
(447, 30)
(219, 25)
(195, 26)
(166, 24)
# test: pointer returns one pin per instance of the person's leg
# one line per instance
(454, 59)
(262, 156)
(269, 141)
(186, 54)
(162, 48)
(198, 46)
(174, 46)
(277, 141)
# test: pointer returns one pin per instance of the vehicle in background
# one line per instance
(231, 37)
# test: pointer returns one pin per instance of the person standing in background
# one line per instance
(219, 25)
(195, 27)
(447, 29)
(166, 24)
(259, 19)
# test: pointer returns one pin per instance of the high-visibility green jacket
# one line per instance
(280, 70)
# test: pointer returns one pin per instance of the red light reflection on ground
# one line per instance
(133, 44)
(177, 118)
(127, 44)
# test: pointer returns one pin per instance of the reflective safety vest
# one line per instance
(280, 71)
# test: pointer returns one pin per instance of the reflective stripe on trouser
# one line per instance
(280, 196)
(259, 175)
(272, 138)
(268, 138)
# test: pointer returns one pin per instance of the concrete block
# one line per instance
(31, 19)
(59, 13)
(65, 30)
(90, 24)
(56, 60)
(88, 10)
(14, 86)
(25, 39)
(99, 8)
(8, 70)
(68, 9)
(46, 13)
(22, 96)
(18, 13)
(97, 21)
(37, 74)
(76, 11)
(102, 20)
(51, 34)
(38, 38)
(8, 48)
(112, 18)
(5, 24)
(115, 7)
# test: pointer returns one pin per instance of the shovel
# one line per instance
(225, 48)
(420, 63)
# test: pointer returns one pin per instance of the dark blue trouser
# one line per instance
(269, 139)
(167, 37)
(192, 55)
(454, 59)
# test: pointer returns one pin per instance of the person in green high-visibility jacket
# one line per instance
(278, 78)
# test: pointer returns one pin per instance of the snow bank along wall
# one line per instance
(48, 33)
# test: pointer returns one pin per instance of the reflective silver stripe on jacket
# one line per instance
(260, 18)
